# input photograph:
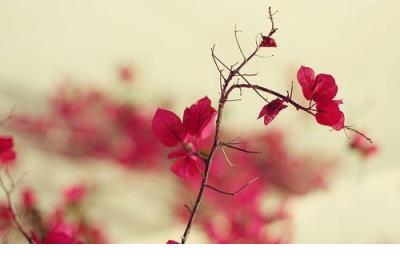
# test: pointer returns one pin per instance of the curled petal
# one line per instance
(168, 128)
(267, 42)
(324, 88)
(305, 77)
(271, 110)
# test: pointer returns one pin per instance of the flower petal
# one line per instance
(197, 119)
(187, 167)
(305, 77)
(329, 114)
(267, 42)
(168, 128)
(324, 88)
(271, 110)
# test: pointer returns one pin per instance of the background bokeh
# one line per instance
(168, 42)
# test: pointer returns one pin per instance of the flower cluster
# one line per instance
(321, 90)
(234, 209)
(66, 224)
(89, 124)
(188, 134)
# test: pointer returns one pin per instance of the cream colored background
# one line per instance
(357, 41)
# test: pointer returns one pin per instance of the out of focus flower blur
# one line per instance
(81, 83)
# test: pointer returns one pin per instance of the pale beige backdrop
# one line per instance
(356, 40)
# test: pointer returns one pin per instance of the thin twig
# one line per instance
(237, 148)
(238, 43)
(235, 192)
(12, 210)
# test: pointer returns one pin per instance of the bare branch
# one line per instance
(238, 43)
(235, 192)
(237, 148)
(16, 221)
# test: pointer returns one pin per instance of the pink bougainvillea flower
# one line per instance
(172, 242)
(267, 42)
(271, 110)
(60, 233)
(329, 114)
(29, 198)
(75, 194)
(7, 154)
(196, 126)
(168, 128)
(198, 117)
(6, 217)
(321, 88)
(361, 145)
(187, 166)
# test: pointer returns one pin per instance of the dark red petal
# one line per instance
(168, 128)
(267, 42)
(340, 124)
(172, 242)
(187, 167)
(324, 88)
(305, 77)
(271, 110)
(329, 114)
(197, 119)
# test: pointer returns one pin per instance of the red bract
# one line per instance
(329, 114)
(361, 145)
(59, 233)
(189, 134)
(271, 110)
(267, 42)
(75, 194)
(6, 217)
(197, 119)
(7, 154)
(29, 198)
(321, 88)
(168, 128)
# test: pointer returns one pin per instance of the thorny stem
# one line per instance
(13, 212)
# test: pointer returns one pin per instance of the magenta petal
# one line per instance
(197, 119)
(329, 114)
(267, 42)
(305, 77)
(271, 110)
(325, 88)
(187, 167)
(168, 128)
(172, 242)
